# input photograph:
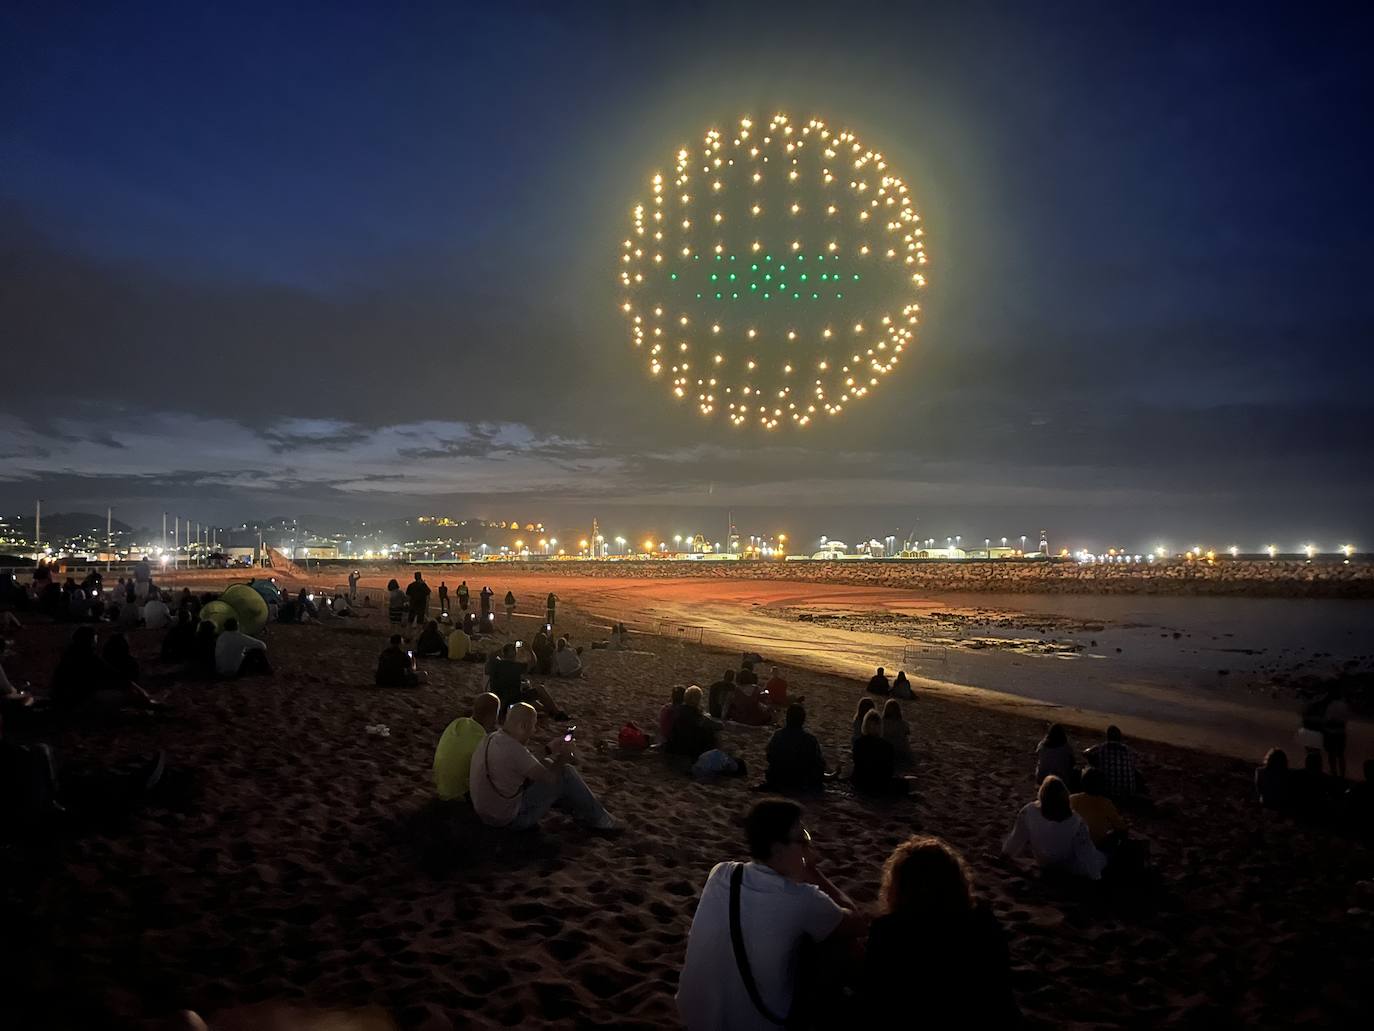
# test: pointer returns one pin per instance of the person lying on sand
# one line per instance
(745, 946)
(934, 950)
(453, 755)
(1055, 835)
(511, 788)
(795, 762)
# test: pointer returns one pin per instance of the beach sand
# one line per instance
(301, 859)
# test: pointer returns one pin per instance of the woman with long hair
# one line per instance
(1054, 757)
(933, 949)
(1054, 834)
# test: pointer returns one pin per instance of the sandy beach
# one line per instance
(301, 859)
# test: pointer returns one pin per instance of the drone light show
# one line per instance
(771, 276)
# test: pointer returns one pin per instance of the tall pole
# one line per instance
(37, 529)
(109, 537)
(176, 539)
(164, 531)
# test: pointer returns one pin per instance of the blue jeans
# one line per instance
(569, 789)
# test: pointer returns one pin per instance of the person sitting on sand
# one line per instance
(431, 642)
(341, 608)
(180, 639)
(118, 657)
(1118, 765)
(693, 731)
(453, 755)
(933, 949)
(875, 761)
(201, 661)
(395, 601)
(745, 704)
(877, 684)
(566, 661)
(396, 665)
(775, 691)
(901, 687)
(1313, 791)
(1054, 834)
(130, 612)
(795, 762)
(542, 647)
(83, 681)
(511, 788)
(895, 730)
(1104, 820)
(506, 679)
(746, 675)
(751, 925)
(1271, 781)
(668, 714)
(719, 692)
(156, 614)
(238, 655)
(459, 646)
(1054, 757)
(866, 705)
(1359, 803)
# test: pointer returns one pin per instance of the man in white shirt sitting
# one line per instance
(783, 898)
(509, 787)
(237, 654)
(566, 662)
(156, 614)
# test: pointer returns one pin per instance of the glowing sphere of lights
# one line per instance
(771, 276)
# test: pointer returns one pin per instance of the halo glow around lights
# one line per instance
(771, 277)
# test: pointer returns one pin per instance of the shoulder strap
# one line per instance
(486, 768)
(737, 939)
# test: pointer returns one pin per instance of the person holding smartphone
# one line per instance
(512, 788)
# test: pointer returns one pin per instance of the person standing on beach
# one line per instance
(484, 600)
(511, 788)
(443, 598)
(418, 595)
(510, 609)
(353, 587)
(1334, 715)
(744, 948)
(549, 604)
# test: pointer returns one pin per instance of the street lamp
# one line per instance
(677, 540)
(1004, 542)
(1310, 549)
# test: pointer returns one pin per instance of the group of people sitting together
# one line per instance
(775, 943)
(485, 759)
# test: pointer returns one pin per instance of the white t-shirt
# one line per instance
(230, 648)
(156, 614)
(774, 915)
(500, 767)
(1067, 844)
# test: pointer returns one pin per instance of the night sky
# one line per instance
(335, 260)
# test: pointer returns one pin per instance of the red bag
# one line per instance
(632, 738)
